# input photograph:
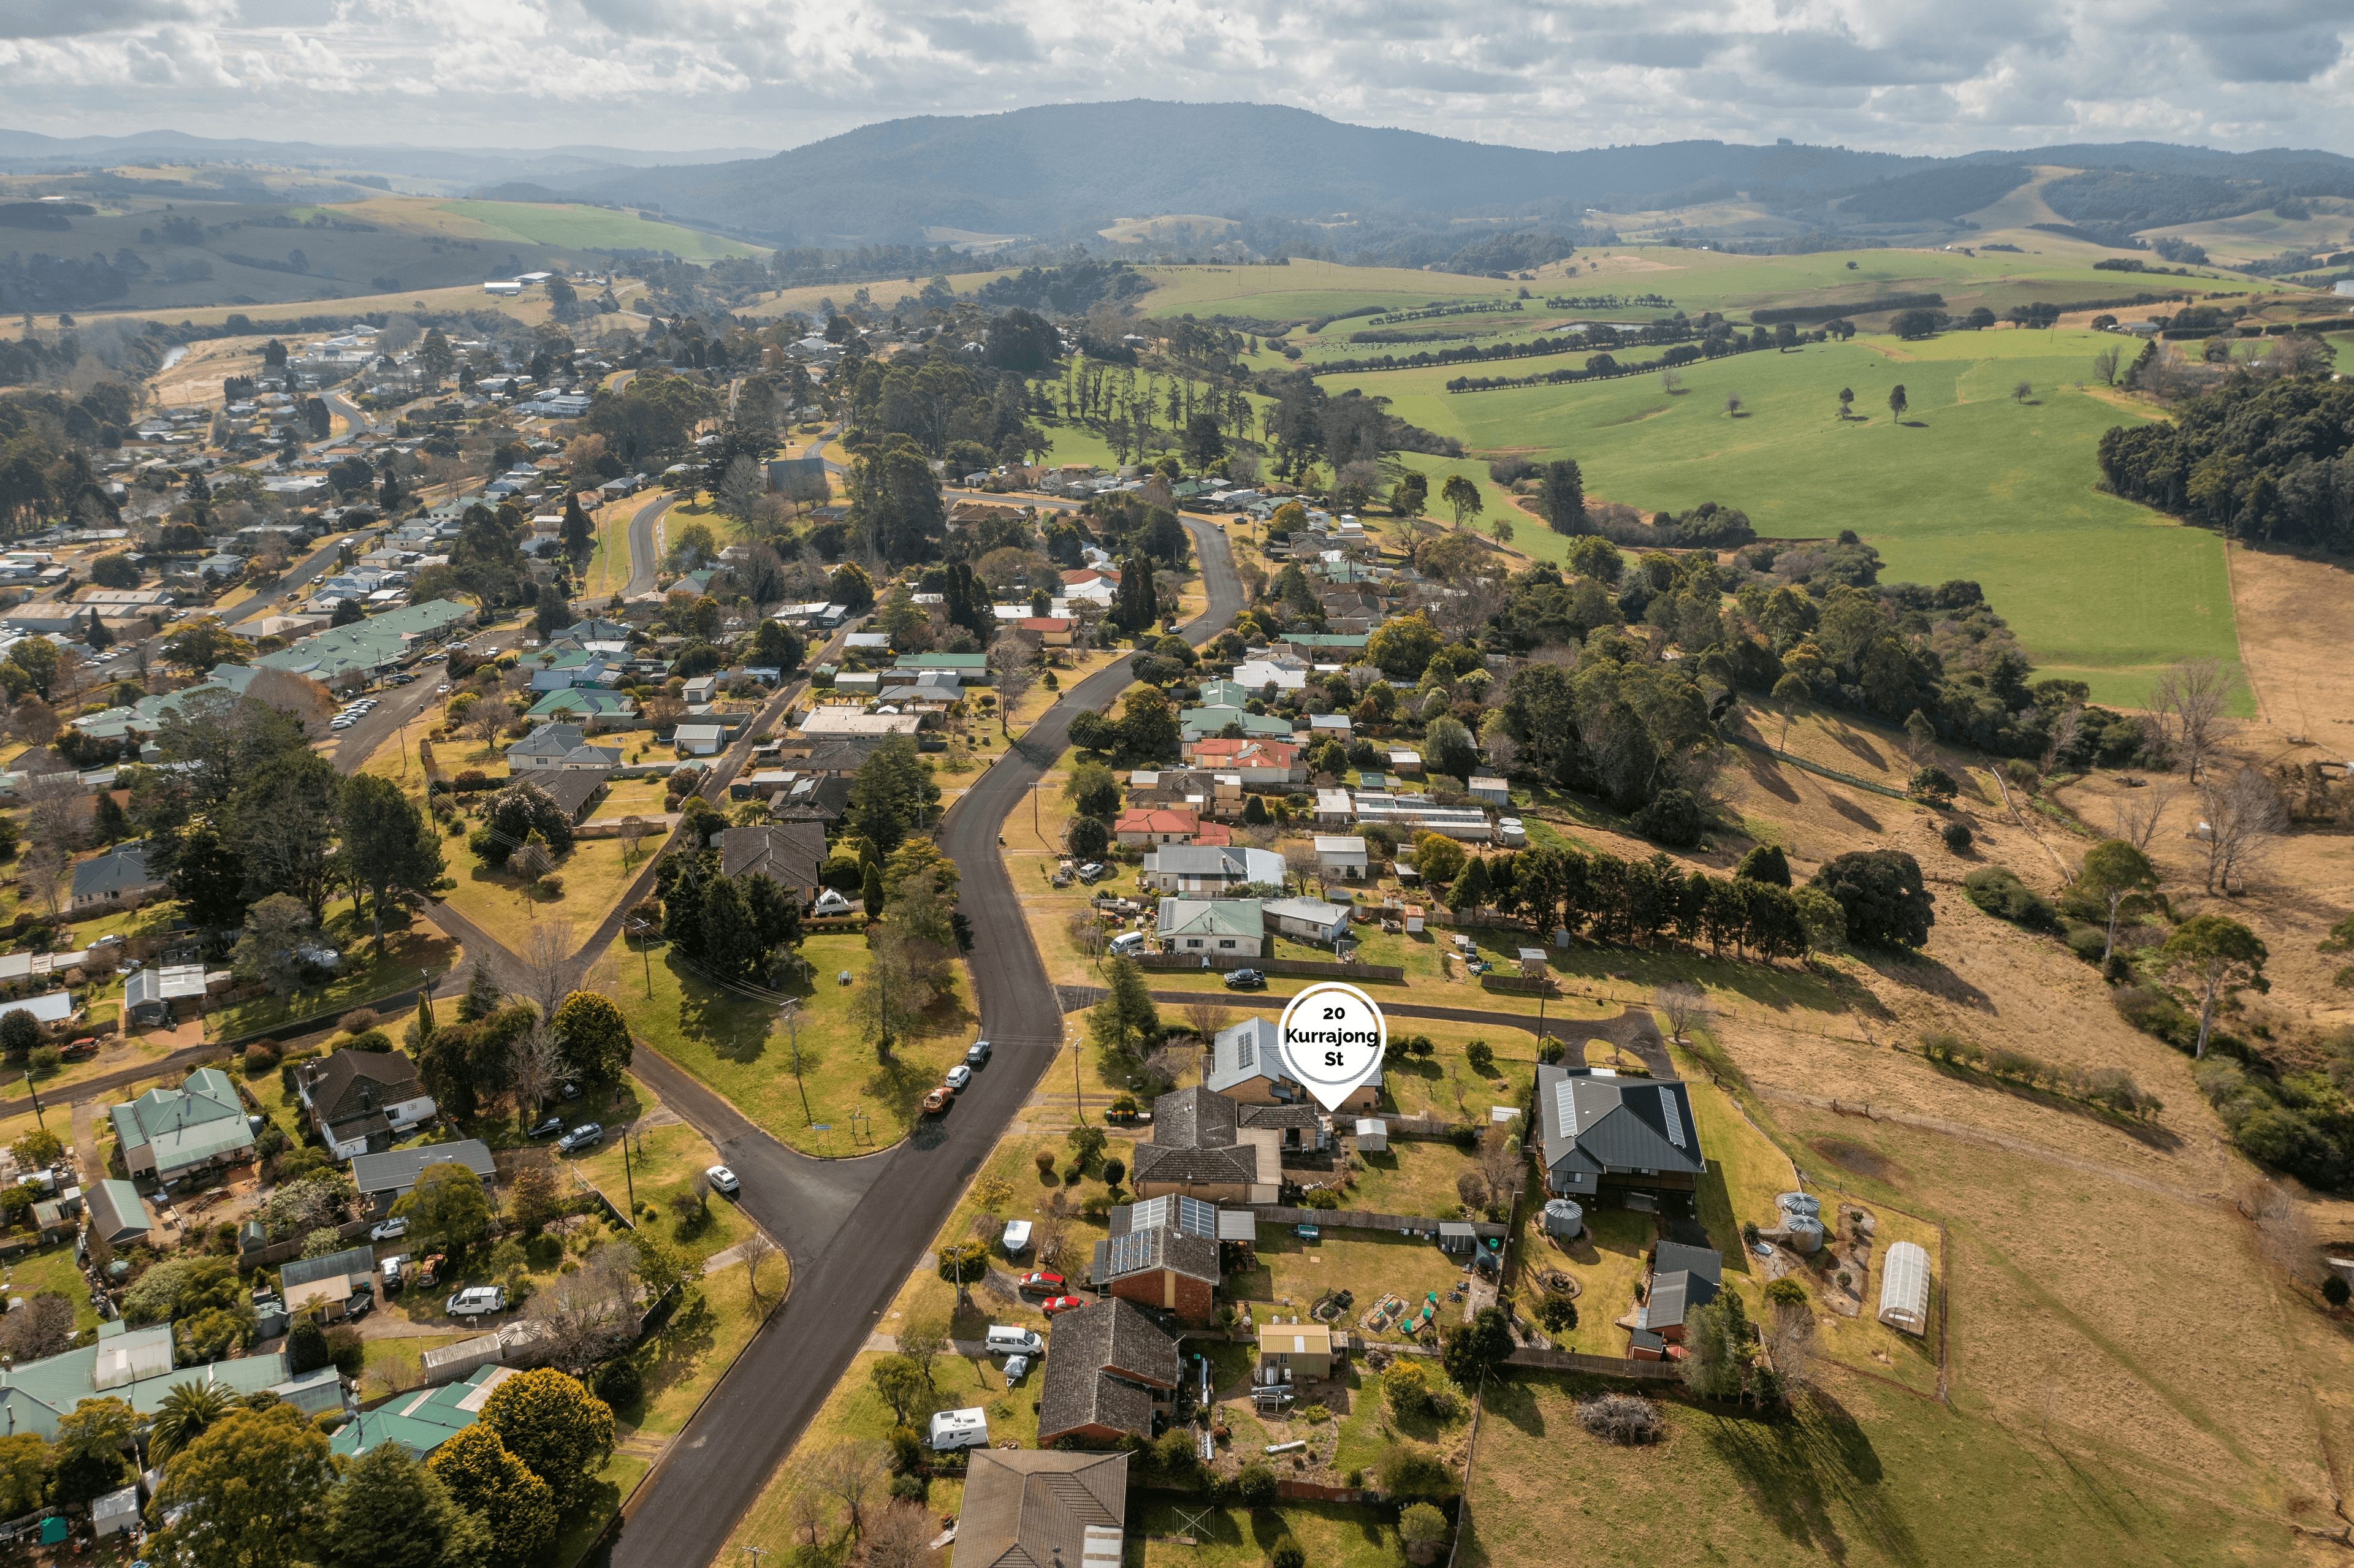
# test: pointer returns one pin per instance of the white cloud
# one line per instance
(1903, 75)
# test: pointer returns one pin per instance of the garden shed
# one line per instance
(1905, 1289)
(1372, 1136)
(1458, 1238)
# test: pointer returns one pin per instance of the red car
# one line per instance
(938, 1100)
(1059, 1304)
(81, 1049)
(1042, 1283)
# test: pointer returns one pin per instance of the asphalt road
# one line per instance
(397, 705)
(643, 557)
(300, 575)
(855, 1229)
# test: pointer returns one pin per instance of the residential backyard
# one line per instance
(411, 957)
(594, 872)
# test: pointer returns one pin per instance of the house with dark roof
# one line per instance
(384, 1180)
(1201, 1149)
(1601, 1131)
(560, 746)
(363, 1102)
(1108, 1369)
(1248, 1064)
(1167, 1267)
(792, 854)
(1683, 1279)
(575, 789)
(810, 798)
(1038, 1508)
(118, 879)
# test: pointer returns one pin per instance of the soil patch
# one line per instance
(1861, 1160)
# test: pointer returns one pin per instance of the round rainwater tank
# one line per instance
(1799, 1203)
(1805, 1233)
(1564, 1219)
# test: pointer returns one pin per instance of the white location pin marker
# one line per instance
(1333, 1036)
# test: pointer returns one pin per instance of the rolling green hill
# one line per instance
(1974, 485)
(583, 228)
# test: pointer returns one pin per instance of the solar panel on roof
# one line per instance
(1670, 1117)
(1196, 1218)
(1245, 1050)
(1151, 1211)
(1130, 1253)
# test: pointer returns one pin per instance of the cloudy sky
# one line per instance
(1898, 75)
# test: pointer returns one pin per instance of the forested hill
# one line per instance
(1036, 170)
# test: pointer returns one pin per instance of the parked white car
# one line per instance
(388, 1229)
(722, 1180)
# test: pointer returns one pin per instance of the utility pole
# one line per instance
(791, 1008)
(38, 1119)
(629, 1176)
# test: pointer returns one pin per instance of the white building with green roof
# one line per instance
(136, 1365)
(1212, 927)
(167, 1133)
(423, 1421)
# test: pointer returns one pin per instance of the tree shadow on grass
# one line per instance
(674, 1353)
(1508, 1399)
(1851, 810)
(1921, 972)
(1802, 1471)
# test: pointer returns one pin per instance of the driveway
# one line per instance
(856, 1228)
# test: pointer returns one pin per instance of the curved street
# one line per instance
(854, 1228)
(643, 557)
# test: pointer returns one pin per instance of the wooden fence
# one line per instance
(1605, 1366)
(1362, 1220)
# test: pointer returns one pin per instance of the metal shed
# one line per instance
(115, 1512)
(1372, 1136)
(1455, 1237)
(1905, 1289)
(1564, 1219)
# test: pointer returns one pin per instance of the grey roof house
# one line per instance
(1201, 1149)
(1600, 1131)
(792, 854)
(385, 1179)
(1041, 1507)
(1107, 1368)
(118, 876)
(1682, 1277)
(1210, 928)
(1248, 1064)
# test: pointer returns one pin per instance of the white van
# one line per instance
(1011, 1340)
(1128, 944)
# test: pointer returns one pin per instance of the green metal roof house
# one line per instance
(169, 1132)
(586, 703)
(423, 1421)
(117, 1213)
(368, 646)
(136, 1365)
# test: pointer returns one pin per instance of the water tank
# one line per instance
(1804, 1232)
(1799, 1203)
(1564, 1219)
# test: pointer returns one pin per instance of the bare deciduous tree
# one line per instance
(2188, 700)
(2104, 365)
(1500, 1164)
(1789, 1333)
(851, 1473)
(901, 1537)
(811, 1508)
(1010, 665)
(758, 1250)
(633, 831)
(53, 808)
(1204, 1018)
(2138, 812)
(2283, 1234)
(1684, 1005)
(2242, 815)
(546, 962)
(1302, 865)
(581, 1318)
(534, 1066)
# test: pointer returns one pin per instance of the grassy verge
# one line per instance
(410, 958)
(739, 1046)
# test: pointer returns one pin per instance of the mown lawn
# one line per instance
(660, 1167)
(494, 897)
(740, 1047)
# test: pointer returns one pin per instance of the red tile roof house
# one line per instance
(1052, 631)
(1156, 825)
(1214, 834)
(1257, 761)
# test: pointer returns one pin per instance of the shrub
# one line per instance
(1670, 817)
(258, 1059)
(2154, 1012)
(911, 1486)
(1322, 1198)
(1956, 836)
(1407, 1387)
(1045, 1160)
(345, 1350)
(1552, 1051)
(1286, 1553)
(1482, 1058)
(1623, 1418)
(2088, 943)
(2000, 894)
(621, 1382)
(551, 887)
(1316, 1415)
(2336, 1291)
(360, 1020)
(1255, 1486)
(1932, 784)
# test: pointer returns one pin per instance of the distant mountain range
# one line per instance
(1060, 171)
(28, 153)
(1071, 166)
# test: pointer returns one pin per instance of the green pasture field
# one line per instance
(1695, 281)
(593, 228)
(1981, 487)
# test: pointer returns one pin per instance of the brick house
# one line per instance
(1108, 1369)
